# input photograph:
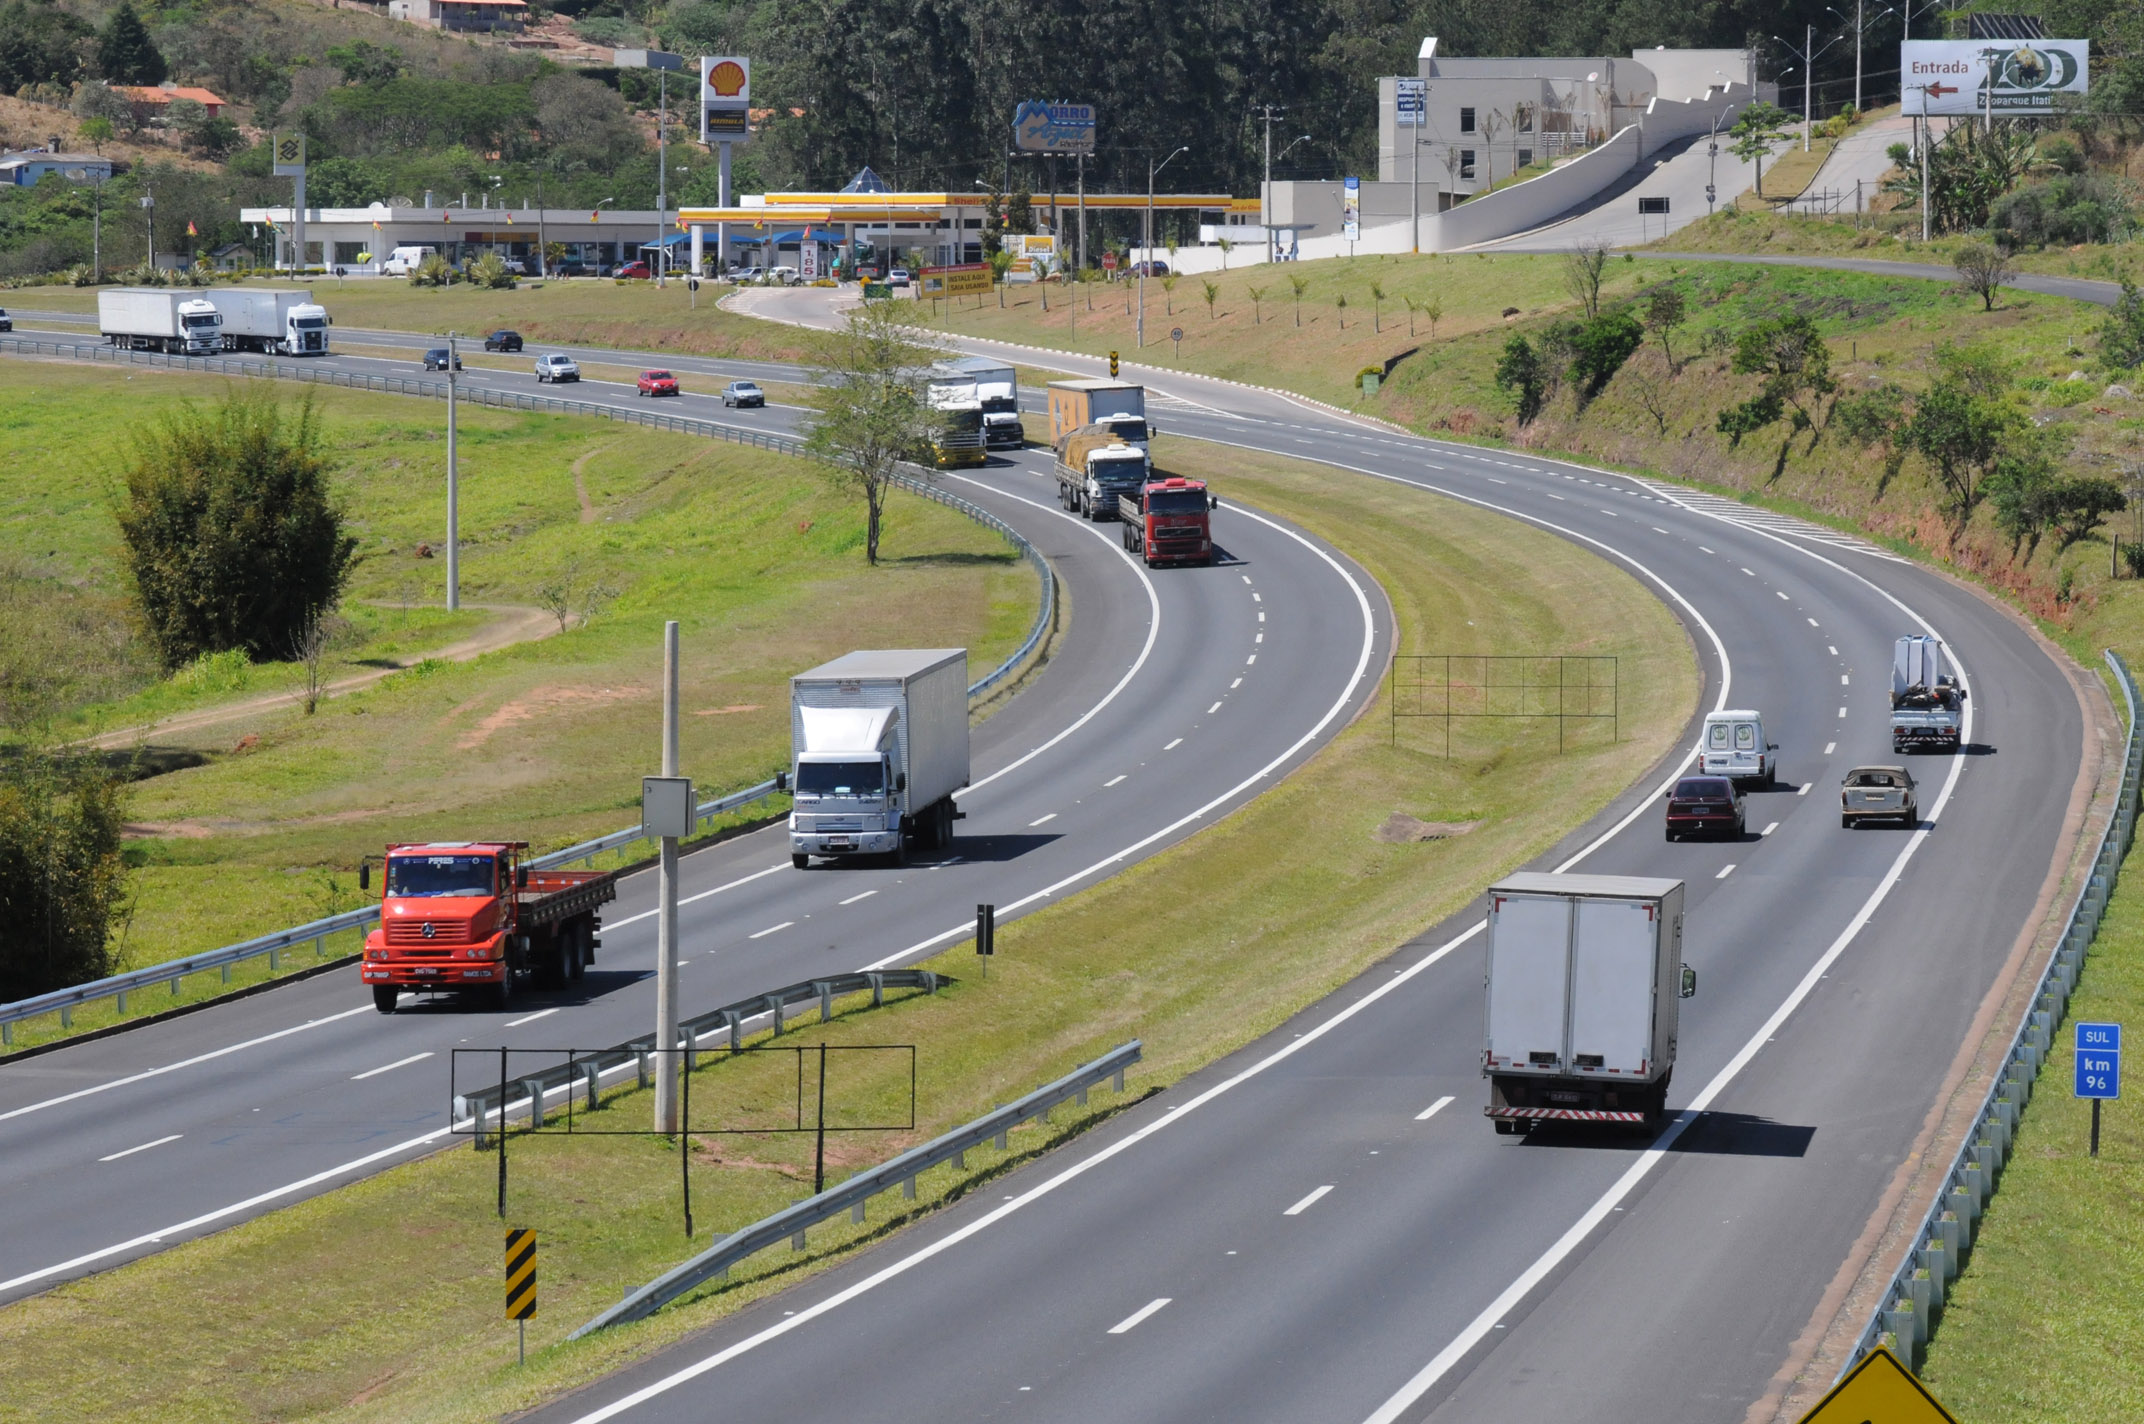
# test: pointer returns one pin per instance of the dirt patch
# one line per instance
(1400, 828)
(734, 707)
(542, 700)
(580, 487)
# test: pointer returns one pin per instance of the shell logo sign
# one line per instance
(725, 98)
(726, 80)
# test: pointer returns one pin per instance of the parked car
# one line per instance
(657, 383)
(898, 277)
(516, 266)
(1155, 268)
(1878, 793)
(554, 367)
(743, 393)
(747, 274)
(436, 359)
(784, 275)
(503, 341)
(635, 269)
(571, 267)
(7, 323)
(869, 272)
(1704, 805)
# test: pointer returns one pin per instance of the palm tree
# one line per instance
(1377, 307)
(1340, 305)
(1168, 289)
(1211, 290)
(1412, 307)
(1257, 295)
(1226, 247)
(1299, 284)
(1433, 308)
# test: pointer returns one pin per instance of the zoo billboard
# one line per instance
(1991, 76)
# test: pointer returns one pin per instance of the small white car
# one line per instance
(1734, 747)
(553, 367)
(1878, 793)
(783, 275)
(898, 277)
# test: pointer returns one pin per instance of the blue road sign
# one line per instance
(2099, 1060)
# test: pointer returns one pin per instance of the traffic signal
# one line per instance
(1112, 365)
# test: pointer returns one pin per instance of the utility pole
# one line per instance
(1268, 112)
(454, 513)
(1147, 258)
(542, 262)
(1808, 55)
(148, 203)
(666, 1056)
(662, 176)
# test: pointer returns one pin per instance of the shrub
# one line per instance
(62, 879)
(232, 537)
(1601, 347)
(1519, 371)
(433, 271)
(490, 271)
(2065, 209)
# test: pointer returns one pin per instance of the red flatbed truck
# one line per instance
(1169, 521)
(468, 916)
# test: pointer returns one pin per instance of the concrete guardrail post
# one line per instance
(826, 999)
(735, 1021)
(534, 1088)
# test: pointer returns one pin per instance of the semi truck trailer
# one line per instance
(1927, 699)
(1077, 403)
(880, 746)
(472, 917)
(280, 323)
(175, 321)
(1585, 978)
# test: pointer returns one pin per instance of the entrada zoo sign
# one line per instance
(1992, 76)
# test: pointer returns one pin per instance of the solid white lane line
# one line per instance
(390, 1067)
(1830, 747)
(539, 1014)
(1051, 817)
(1213, 709)
(610, 924)
(1433, 1109)
(1769, 829)
(1307, 1202)
(80, 1093)
(1174, 745)
(1117, 778)
(1132, 1320)
(1725, 871)
(143, 1148)
(854, 898)
(771, 929)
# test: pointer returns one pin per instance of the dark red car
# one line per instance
(634, 269)
(657, 383)
(1704, 805)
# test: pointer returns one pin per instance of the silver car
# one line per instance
(554, 367)
(1878, 793)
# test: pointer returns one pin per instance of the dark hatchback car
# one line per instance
(503, 341)
(1704, 805)
(436, 359)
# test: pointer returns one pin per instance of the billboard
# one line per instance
(1351, 210)
(725, 97)
(1039, 127)
(970, 279)
(289, 155)
(1411, 103)
(1991, 76)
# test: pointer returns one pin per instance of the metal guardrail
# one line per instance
(472, 1110)
(1915, 1297)
(791, 1223)
(120, 986)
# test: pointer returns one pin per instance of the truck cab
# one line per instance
(307, 333)
(956, 440)
(1169, 521)
(1095, 470)
(844, 783)
(1734, 747)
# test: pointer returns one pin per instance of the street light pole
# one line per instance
(454, 540)
(1268, 112)
(1146, 258)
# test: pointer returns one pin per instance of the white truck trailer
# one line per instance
(173, 320)
(281, 323)
(997, 387)
(1927, 699)
(1585, 976)
(880, 744)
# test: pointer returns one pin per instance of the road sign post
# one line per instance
(521, 1281)
(1176, 334)
(2099, 1068)
(986, 935)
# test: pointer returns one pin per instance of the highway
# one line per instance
(1324, 1227)
(1321, 1226)
(1171, 698)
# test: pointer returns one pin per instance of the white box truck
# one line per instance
(173, 320)
(997, 386)
(281, 323)
(1927, 699)
(880, 744)
(1584, 979)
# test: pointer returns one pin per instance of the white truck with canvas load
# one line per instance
(997, 387)
(1585, 980)
(280, 323)
(172, 320)
(880, 746)
(1734, 747)
(1927, 699)
(1094, 468)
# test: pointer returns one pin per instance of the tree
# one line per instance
(101, 101)
(870, 416)
(62, 875)
(125, 53)
(364, 62)
(1000, 263)
(1340, 306)
(1519, 371)
(583, 122)
(1982, 268)
(2121, 336)
(216, 138)
(1962, 433)
(97, 132)
(1168, 294)
(1298, 284)
(1377, 307)
(1665, 310)
(1433, 308)
(1795, 361)
(1257, 296)
(1585, 272)
(1760, 129)
(1210, 291)
(233, 538)
(1601, 347)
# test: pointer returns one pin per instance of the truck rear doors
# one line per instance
(1572, 985)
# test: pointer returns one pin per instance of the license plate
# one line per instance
(838, 843)
(424, 970)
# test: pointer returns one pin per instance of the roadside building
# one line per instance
(25, 169)
(153, 101)
(462, 16)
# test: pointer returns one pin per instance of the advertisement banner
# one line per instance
(1039, 127)
(1991, 76)
(725, 97)
(1411, 103)
(969, 279)
(1351, 210)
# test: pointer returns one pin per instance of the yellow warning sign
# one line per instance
(520, 1273)
(1879, 1390)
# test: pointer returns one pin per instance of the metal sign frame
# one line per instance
(1473, 686)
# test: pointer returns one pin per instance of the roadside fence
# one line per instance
(1914, 1299)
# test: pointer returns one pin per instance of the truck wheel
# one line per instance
(801, 862)
(1846, 822)
(578, 969)
(1506, 1127)
(501, 996)
(549, 970)
(384, 996)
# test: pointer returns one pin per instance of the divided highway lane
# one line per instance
(1324, 1227)
(1171, 698)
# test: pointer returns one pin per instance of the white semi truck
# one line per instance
(1585, 978)
(281, 323)
(172, 320)
(880, 745)
(1927, 699)
(997, 387)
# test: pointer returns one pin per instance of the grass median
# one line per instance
(255, 818)
(383, 1301)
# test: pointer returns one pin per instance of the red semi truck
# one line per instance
(1169, 521)
(469, 916)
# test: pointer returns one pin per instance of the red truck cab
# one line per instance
(1170, 521)
(469, 916)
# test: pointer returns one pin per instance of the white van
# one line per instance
(405, 260)
(1734, 747)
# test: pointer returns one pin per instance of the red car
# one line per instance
(657, 383)
(634, 269)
